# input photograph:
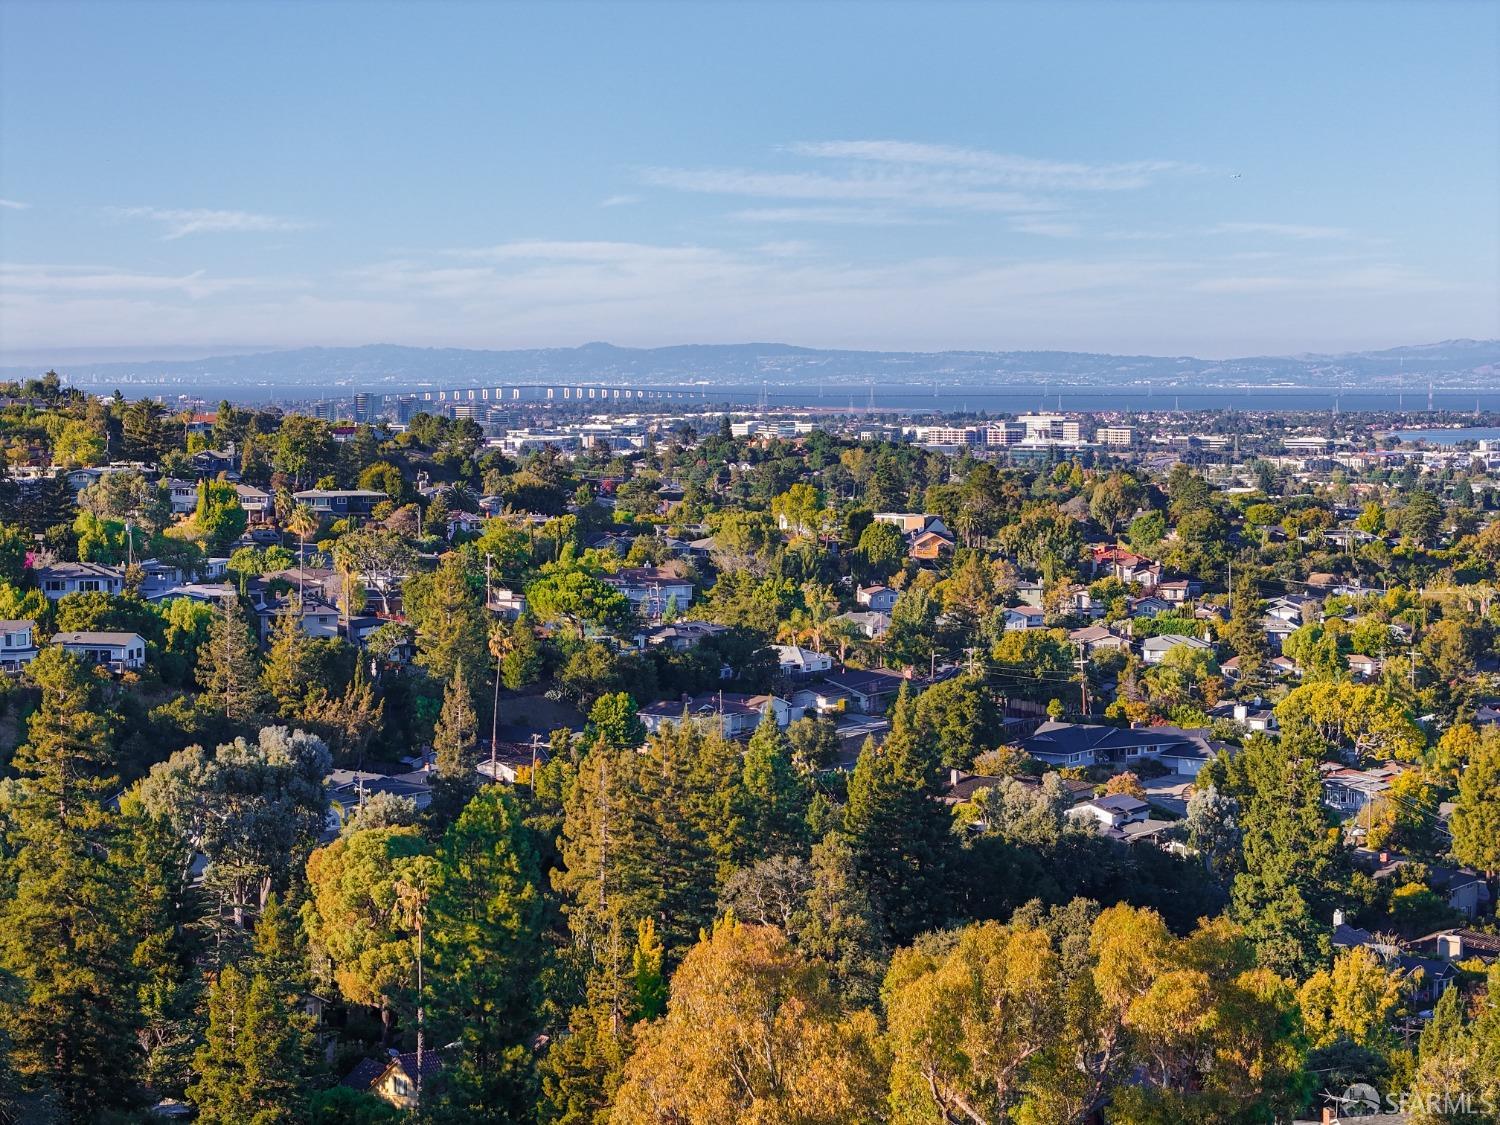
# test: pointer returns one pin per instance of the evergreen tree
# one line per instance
(650, 979)
(450, 618)
(775, 796)
(899, 833)
(287, 674)
(66, 940)
(158, 859)
(522, 662)
(455, 743)
(229, 663)
(1476, 816)
(485, 921)
(249, 1068)
(1288, 881)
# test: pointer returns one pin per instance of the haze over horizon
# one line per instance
(1163, 179)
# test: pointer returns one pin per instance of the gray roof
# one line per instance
(91, 638)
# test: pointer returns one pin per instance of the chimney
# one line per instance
(1328, 1115)
(1451, 946)
(955, 776)
(1338, 918)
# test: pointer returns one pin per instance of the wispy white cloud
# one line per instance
(1366, 279)
(1283, 230)
(999, 167)
(14, 205)
(1047, 228)
(25, 277)
(836, 216)
(179, 223)
(619, 200)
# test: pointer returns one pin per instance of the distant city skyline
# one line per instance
(1206, 179)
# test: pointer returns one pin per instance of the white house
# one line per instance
(115, 650)
(1113, 811)
(881, 598)
(60, 579)
(735, 716)
(1154, 649)
(799, 662)
(17, 644)
(1020, 618)
(651, 589)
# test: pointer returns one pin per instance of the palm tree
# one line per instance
(301, 522)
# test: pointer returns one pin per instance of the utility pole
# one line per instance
(1083, 680)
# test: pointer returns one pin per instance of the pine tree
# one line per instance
(485, 922)
(899, 833)
(455, 743)
(66, 939)
(775, 796)
(251, 1062)
(287, 674)
(229, 664)
(157, 858)
(1290, 869)
(450, 618)
(650, 980)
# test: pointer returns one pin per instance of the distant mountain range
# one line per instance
(390, 367)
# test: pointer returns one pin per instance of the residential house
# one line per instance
(868, 691)
(506, 603)
(1020, 618)
(256, 502)
(1252, 716)
(1348, 790)
(1086, 744)
(1030, 593)
(1096, 638)
(929, 545)
(1113, 811)
(735, 715)
(801, 663)
(881, 598)
(340, 503)
(116, 651)
(209, 592)
(319, 620)
(870, 623)
(17, 644)
(1292, 608)
(208, 463)
(1154, 649)
(60, 579)
(680, 635)
(1363, 667)
(183, 495)
(651, 589)
(911, 523)
(1148, 606)
(396, 1079)
(1178, 590)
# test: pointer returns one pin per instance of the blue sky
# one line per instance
(1200, 178)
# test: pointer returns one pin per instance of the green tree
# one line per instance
(447, 610)
(1290, 875)
(219, 518)
(614, 722)
(249, 1068)
(898, 831)
(484, 925)
(351, 917)
(455, 744)
(71, 1008)
(773, 794)
(286, 675)
(1476, 816)
(229, 665)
